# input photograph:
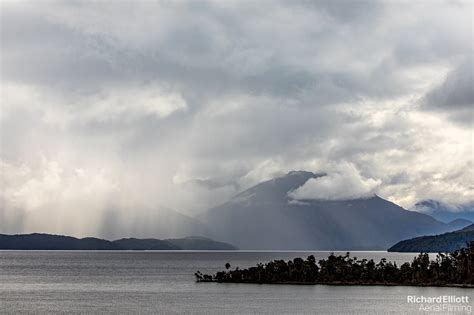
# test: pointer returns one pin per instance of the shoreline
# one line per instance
(453, 285)
(446, 270)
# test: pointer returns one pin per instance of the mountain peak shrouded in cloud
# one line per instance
(136, 104)
(266, 217)
(276, 189)
(344, 184)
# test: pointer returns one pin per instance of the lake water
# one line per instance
(163, 282)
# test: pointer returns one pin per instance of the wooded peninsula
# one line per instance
(451, 269)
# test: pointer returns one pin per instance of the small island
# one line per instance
(451, 269)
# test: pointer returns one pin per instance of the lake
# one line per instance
(163, 282)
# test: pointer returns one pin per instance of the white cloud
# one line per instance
(54, 198)
(114, 104)
(265, 170)
(342, 184)
(132, 102)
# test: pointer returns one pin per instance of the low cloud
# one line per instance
(343, 184)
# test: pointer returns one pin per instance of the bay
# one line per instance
(162, 282)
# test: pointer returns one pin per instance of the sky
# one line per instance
(183, 104)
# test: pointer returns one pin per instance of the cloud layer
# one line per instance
(344, 184)
(184, 104)
(455, 96)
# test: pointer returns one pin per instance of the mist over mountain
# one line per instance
(158, 222)
(445, 212)
(267, 217)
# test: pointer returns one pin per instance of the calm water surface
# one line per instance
(163, 282)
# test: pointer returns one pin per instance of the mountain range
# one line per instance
(266, 217)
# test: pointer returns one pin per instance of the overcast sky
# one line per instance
(183, 104)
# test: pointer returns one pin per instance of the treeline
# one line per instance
(447, 242)
(447, 269)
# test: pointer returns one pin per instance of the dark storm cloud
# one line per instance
(40, 52)
(196, 54)
(455, 96)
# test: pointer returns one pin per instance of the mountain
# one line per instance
(38, 241)
(265, 217)
(447, 242)
(444, 212)
(457, 224)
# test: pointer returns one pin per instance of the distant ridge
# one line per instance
(467, 228)
(459, 223)
(447, 242)
(444, 212)
(40, 241)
